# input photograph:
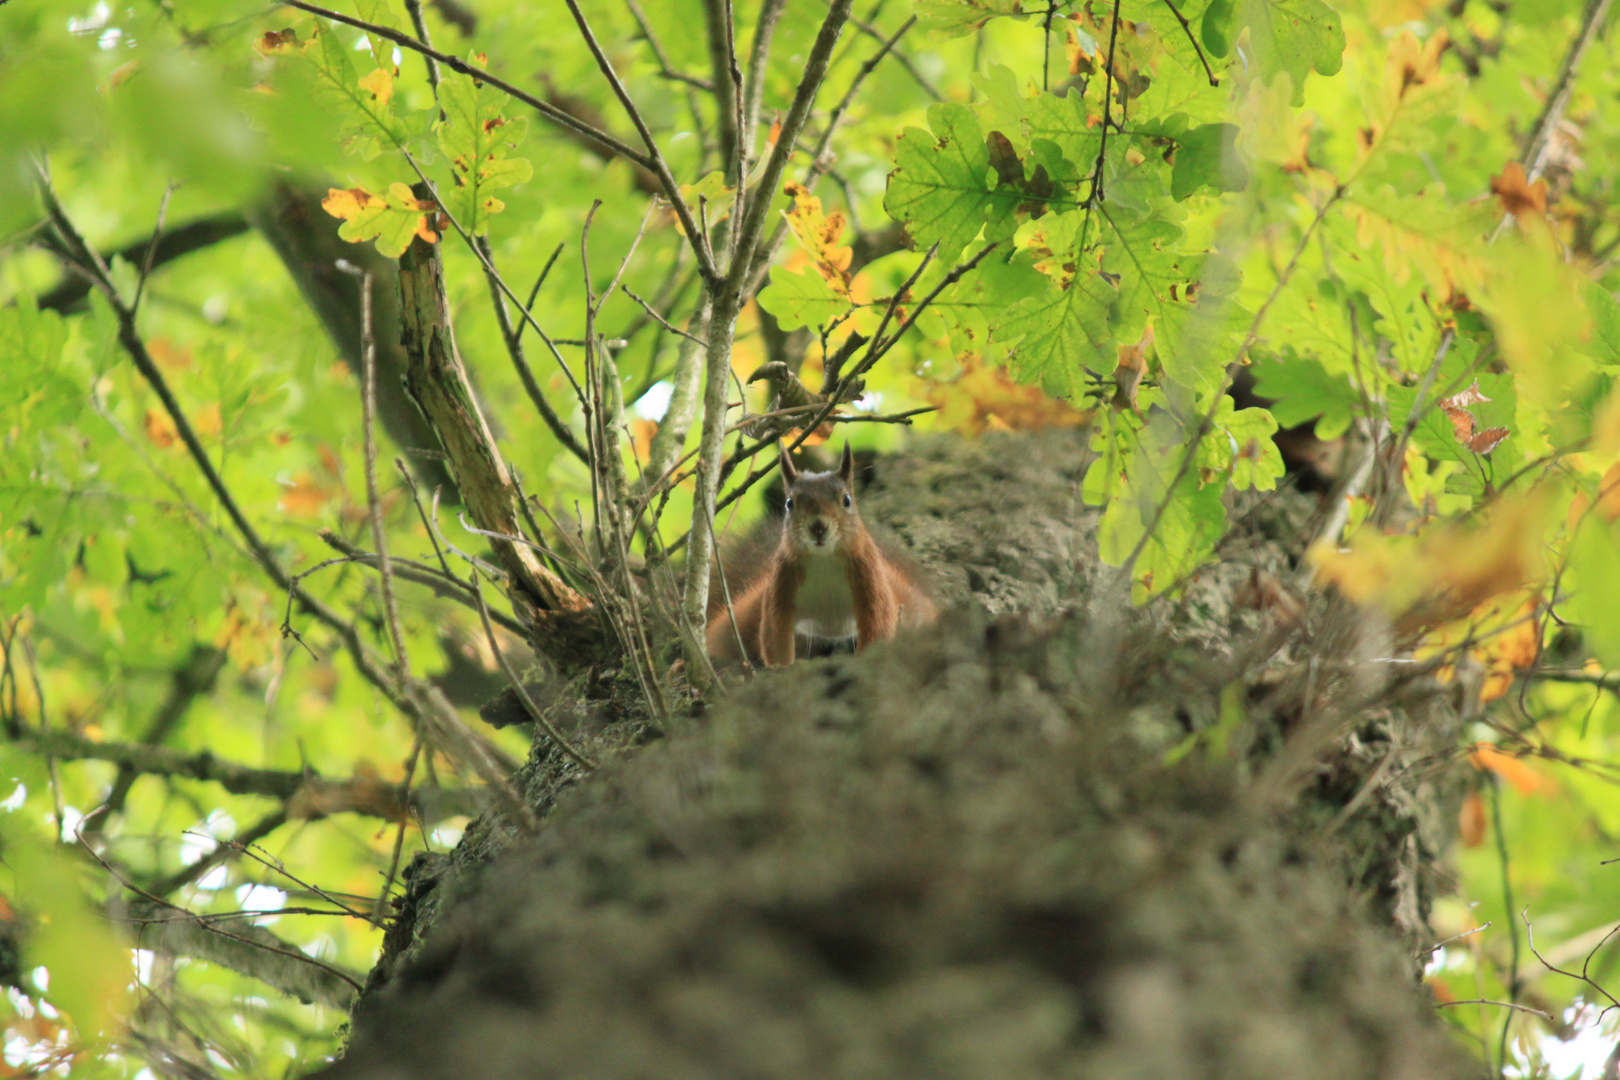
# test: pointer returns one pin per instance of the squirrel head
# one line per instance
(820, 506)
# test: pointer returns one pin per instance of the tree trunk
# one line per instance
(1052, 836)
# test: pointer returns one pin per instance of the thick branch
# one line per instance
(69, 293)
(306, 238)
(436, 379)
(309, 794)
(722, 328)
(250, 950)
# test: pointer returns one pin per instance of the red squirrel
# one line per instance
(827, 578)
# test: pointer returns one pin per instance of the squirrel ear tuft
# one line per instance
(789, 473)
(846, 467)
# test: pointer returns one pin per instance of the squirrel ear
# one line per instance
(789, 473)
(846, 467)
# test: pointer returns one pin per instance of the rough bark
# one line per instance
(437, 382)
(985, 850)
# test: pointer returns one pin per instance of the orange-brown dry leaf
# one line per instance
(819, 233)
(1471, 820)
(1517, 196)
(1525, 780)
(160, 429)
(1462, 421)
(1513, 650)
(983, 396)
(305, 498)
(1128, 375)
(168, 355)
(276, 41)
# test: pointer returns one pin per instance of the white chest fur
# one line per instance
(825, 607)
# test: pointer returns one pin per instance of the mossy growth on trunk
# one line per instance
(1051, 836)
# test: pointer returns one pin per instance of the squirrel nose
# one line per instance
(818, 531)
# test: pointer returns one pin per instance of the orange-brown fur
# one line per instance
(825, 565)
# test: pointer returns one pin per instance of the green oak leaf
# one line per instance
(1301, 389)
(1293, 36)
(957, 18)
(943, 188)
(1207, 157)
(1215, 29)
(1604, 344)
(1241, 442)
(369, 125)
(801, 299)
(475, 136)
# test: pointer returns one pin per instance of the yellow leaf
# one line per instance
(819, 232)
(1447, 574)
(160, 429)
(982, 396)
(380, 84)
(347, 203)
(1412, 64)
(207, 421)
(1533, 300)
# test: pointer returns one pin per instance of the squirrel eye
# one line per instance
(848, 502)
(788, 503)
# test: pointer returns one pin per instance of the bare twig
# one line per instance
(368, 428)
(533, 710)
(520, 362)
(545, 272)
(431, 803)
(1193, 38)
(653, 159)
(1535, 149)
(456, 64)
(1499, 1004)
(753, 88)
(151, 247)
(419, 24)
(665, 323)
(665, 68)
(379, 908)
(727, 302)
(904, 61)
